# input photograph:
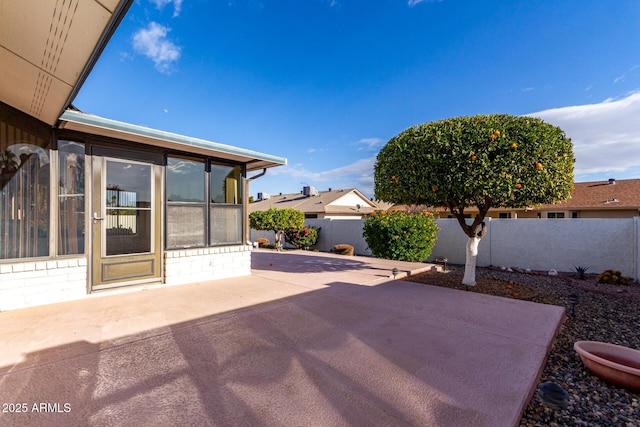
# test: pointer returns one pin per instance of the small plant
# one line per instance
(581, 271)
(302, 238)
(612, 277)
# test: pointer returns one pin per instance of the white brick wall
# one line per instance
(29, 283)
(198, 265)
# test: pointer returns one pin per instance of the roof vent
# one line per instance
(612, 181)
(264, 196)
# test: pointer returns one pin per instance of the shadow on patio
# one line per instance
(392, 354)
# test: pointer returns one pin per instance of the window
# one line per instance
(575, 214)
(556, 215)
(71, 217)
(128, 207)
(504, 215)
(225, 218)
(186, 203)
(195, 220)
(24, 186)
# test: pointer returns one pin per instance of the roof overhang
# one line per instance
(48, 48)
(95, 125)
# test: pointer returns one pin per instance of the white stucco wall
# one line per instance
(543, 244)
(538, 244)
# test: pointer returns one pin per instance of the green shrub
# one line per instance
(612, 277)
(402, 236)
(302, 238)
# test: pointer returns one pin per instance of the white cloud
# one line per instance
(605, 136)
(412, 3)
(177, 5)
(624, 75)
(370, 143)
(152, 42)
(359, 168)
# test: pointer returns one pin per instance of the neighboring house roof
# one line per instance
(95, 125)
(598, 195)
(48, 48)
(336, 202)
(594, 195)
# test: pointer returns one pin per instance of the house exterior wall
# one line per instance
(351, 199)
(582, 213)
(204, 264)
(622, 213)
(43, 259)
(28, 283)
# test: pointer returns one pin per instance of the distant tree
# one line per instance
(483, 161)
(277, 220)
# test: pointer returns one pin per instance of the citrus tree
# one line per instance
(482, 161)
(277, 220)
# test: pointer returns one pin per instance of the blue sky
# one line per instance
(326, 83)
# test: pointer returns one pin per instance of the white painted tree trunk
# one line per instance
(469, 278)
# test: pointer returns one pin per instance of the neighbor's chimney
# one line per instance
(612, 181)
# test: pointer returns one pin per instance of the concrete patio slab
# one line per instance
(308, 339)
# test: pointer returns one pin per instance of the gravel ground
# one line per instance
(604, 313)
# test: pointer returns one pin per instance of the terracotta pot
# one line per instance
(615, 364)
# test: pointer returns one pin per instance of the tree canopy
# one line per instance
(274, 219)
(484, 161)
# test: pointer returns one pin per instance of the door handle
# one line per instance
(96, 217)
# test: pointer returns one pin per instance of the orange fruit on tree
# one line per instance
(473, 158)
(538, 165)
(518, 186)
(513, 145)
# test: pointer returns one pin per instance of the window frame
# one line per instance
(208, 205)
(203, 204)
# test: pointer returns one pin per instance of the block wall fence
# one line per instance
(537, 244)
